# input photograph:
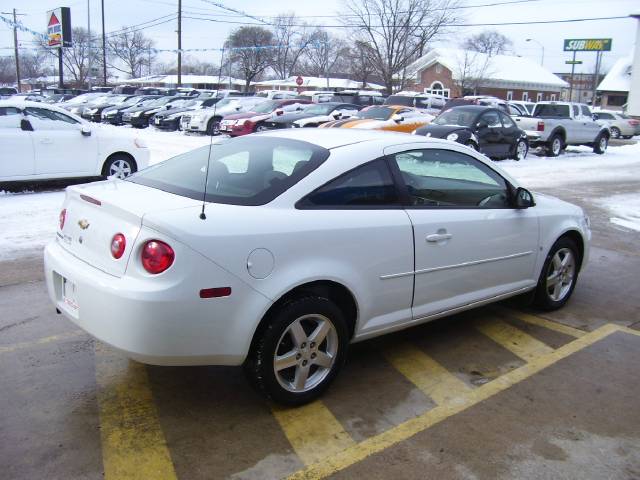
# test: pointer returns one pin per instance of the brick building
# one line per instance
(454, 73)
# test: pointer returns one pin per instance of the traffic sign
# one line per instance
(299, 81)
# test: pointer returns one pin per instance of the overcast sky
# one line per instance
(203, 34)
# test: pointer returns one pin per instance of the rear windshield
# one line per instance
(251, 170)
(551, 111)
(399, 100)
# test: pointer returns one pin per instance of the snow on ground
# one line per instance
(28, 220)
(625, 207)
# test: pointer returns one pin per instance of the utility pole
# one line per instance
(15, 48)
(573, 68)
(179, 43)
(596, 77)
(104, 50)
(90, 53)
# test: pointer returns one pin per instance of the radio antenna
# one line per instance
(215, 106)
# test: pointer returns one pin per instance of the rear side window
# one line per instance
(242, 171)
(550, 110)
(585, 110)
(369, 185)
(605, 116)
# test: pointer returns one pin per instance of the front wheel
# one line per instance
(521, 150)
(213, 127)
(119, 166)
(299, 353)
(601, 144)
(558, 277)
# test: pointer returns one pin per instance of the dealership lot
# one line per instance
(500, 392)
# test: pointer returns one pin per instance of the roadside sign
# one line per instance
(59, 27)
(573, 62)
(587, 45)
(299, 81)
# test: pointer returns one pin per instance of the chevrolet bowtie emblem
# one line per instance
(84, 224)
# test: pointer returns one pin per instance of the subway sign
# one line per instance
(587, 45)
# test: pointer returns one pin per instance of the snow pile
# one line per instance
(625, 207)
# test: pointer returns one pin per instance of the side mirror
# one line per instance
(25, 125)
(595, 116)
(337, 115)
(523, 198)
(397, 118)
(85, 130)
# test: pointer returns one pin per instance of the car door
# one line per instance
(510, 135)
(60, 147)
(470, 243)
(489, 133)
(589, 125)
(17, 158)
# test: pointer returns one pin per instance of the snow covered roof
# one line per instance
(497, 70)
(317, 82)
(186, 80)
(619, 77)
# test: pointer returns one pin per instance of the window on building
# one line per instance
(539, 97)
(509, 95)
(438, 68)
(525, 96)
(553, 97)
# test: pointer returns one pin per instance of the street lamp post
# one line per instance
(541, 46)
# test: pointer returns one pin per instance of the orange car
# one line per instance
(385, 117)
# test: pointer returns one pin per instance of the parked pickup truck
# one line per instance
(554, 125)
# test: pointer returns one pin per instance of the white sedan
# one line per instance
(307, 240)
(41, 141)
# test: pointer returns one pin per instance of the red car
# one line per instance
(249, 122)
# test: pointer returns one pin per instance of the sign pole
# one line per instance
(60, 69)
(15, 48)
(573, 68)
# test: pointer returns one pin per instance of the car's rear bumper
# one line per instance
(160, 321)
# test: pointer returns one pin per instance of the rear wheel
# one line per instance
(299, 353)
(615, 132)
(601, 144)
(119, 166)
(521, 150)
(213, 127)
(554, 146)
(558, 277)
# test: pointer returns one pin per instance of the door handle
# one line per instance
(438, 237)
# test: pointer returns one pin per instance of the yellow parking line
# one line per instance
(40, 341)
(426, 374)
(513, 339)
(541, 322)
(362, 450)
(133, 445)
(313, 431)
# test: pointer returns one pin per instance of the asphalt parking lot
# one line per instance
(499, 392)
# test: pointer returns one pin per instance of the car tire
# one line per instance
(521, 150)
(627, 137)
(472, 144)
(261, 128)
(558, 276)
(601, 144)
(298, 379)
(615, 132)
(120, 166)
(554, 146)
(213, 126)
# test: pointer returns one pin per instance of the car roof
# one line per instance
(337, 137)
(473, 108)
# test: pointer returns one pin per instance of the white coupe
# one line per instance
(306, 240)
(41, 142)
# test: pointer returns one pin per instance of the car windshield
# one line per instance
(405, 100)
(266, 107)
(551, 111)
(319, 109)
(455, 116)
(242, 171)
(84, 98)
(376, 113)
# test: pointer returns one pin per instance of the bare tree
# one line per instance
(490, 42)
(250, 51)
(292, 42)
(7, 70)
(130, 51)
(32, 64)
(397, 31)
(471, 70)
(360, 61)
(76, 58)
(324, 53)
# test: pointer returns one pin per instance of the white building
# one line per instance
(614, 88)
(189, 81)
(314, 83)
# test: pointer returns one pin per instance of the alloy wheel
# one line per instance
(521, 151)
(561, 274)
(615, 132)
(556, 146)
(603, 144)
(305, 353)
(120, 169)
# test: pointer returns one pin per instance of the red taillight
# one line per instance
(157, 256)
(541, 126)
(633, 123)
(118, 244)
(63, 217)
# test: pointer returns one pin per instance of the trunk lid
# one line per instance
(96, 212)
